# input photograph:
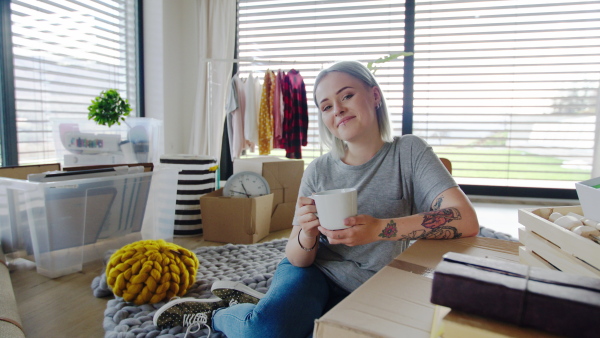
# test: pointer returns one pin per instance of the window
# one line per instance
(310, 35)
(507, 90)
(64, 54)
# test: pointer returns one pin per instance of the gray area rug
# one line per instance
(253, 265)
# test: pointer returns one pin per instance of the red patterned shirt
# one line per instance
(295, 120)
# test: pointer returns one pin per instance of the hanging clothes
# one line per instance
(252, 88)
(230, 105)
(237, 119)
(295, 122)
(265, 115)
(278, 111)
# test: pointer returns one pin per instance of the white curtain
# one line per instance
(216, 25)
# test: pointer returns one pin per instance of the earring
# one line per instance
(378, 105)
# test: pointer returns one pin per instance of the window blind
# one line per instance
(65, 54)
(310, 35)
(509, 90)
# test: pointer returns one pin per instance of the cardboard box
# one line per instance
(589, 197)
(395, 301)
(457, 324)
(235, 220)
(536, 220)
(283, 176)
(21, 172)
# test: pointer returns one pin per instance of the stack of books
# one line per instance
(482, 297)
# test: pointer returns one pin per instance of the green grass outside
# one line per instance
(491, 163)
(508, 164)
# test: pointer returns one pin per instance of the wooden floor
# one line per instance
(65, 306)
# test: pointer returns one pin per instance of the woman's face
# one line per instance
(347, 106)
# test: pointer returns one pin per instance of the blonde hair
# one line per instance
(362, 73)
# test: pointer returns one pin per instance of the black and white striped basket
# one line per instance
(196, 178)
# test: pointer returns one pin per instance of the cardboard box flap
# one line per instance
(378, 311)
(251, 228)
(286, 174)
(283, 216)
(474, 246)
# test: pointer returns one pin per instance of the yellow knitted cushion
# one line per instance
(150, 271)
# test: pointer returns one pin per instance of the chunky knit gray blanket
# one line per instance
(253, 265)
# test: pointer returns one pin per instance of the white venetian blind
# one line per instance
(509, 90)
(310, 35)
(65, 54)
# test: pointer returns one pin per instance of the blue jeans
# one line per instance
(296, 297)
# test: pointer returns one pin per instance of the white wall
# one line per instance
(170, 67)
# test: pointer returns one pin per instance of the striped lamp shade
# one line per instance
(196, 178)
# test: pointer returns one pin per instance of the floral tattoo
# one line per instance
(390, 230)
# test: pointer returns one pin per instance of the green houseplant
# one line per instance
(109, 108)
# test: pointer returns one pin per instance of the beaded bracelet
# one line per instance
(303, 248)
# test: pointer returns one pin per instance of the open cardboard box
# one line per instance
(395, 301)
(283, 176)
(235, 220)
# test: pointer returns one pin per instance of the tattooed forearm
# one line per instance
(435, 223)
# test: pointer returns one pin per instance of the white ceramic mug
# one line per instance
(333, 206)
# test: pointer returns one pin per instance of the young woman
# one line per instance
(404, 194)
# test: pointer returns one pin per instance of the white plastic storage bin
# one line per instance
(589, 197)
(68, 223)
(81, 142)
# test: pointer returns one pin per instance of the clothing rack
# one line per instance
(256, 65)
(248, 60)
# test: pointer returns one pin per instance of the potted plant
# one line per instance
(109, 108)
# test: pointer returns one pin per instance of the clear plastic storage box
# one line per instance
(61, 225)
(81, 142)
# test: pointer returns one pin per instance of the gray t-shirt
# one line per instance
(402, 179)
